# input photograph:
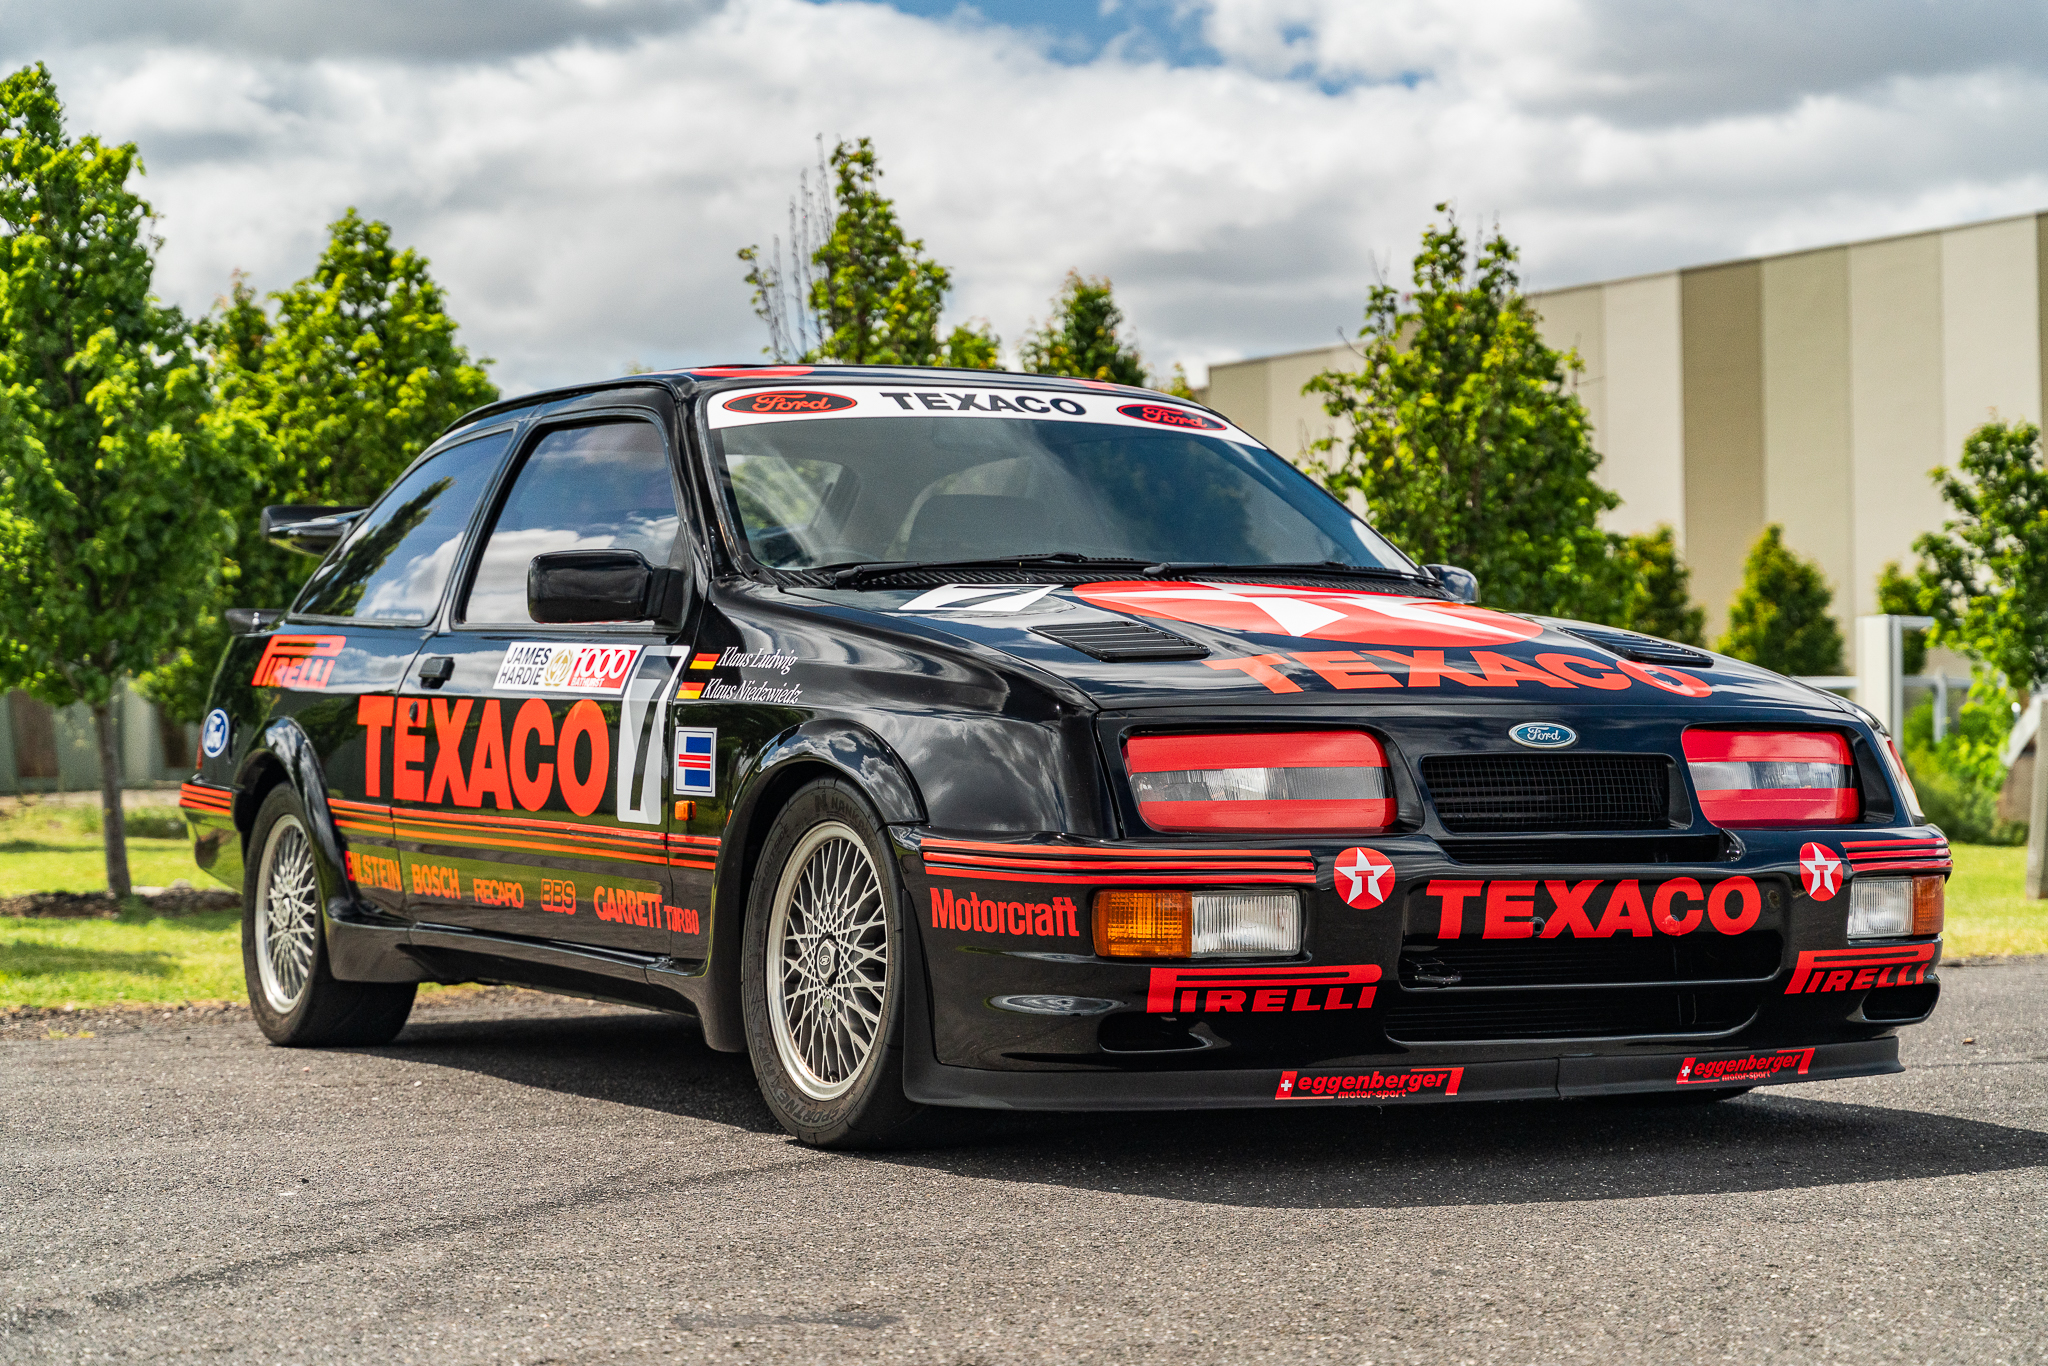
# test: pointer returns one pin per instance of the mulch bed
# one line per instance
(105, 905)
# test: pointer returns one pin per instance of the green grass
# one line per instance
(1988, 912)
(57, 849)
(138, 958)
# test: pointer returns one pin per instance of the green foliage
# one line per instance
(1466, 443)
(1959, 779)
(855, 289)
(116, 472)
(1081, 337)
(1900, 596)
(1658, 598)
(1984, 576)
(355, 375)
(1780, 617)
(1176, 384)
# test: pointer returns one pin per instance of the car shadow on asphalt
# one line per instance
(1486, 1153)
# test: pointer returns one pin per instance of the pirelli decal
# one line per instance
(1829, 970)
(1261, 990)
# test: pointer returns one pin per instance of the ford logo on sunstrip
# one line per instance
(1543, 735)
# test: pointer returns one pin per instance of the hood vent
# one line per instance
(1121, 642)
(1634, 645)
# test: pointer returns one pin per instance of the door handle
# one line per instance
(437, 670)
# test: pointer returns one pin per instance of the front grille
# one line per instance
(1478, 793)
(1592, 962)
(1445, 1017)
(1572, 853)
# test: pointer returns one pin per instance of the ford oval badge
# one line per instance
(1543, 735)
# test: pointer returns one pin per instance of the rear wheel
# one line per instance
(822, 978)
(295, 998)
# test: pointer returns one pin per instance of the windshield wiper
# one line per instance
(844, 574)
(1169, 567)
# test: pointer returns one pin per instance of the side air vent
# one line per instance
(1122, 641)
(1641, 648)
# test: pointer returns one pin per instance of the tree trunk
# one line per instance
(2037, 816)
(113, 825)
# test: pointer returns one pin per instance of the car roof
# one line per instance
(699, 378)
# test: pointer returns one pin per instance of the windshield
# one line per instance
(869, 483)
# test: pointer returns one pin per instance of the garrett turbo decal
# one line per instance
(1213, 991)
(1058, 918)
(1744, 1069)
(1819, 971)
(544, 666)
(1517, 908)
(297, 662)
(1395, 1083)
(780, 401)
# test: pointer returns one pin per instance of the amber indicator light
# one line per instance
(1928, 910)
(1144, 924)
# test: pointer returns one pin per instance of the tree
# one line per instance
(1899, 595)
(358, 372)
(115, 472)
(1984, 576)
(1082, 337)
(1465, 442)
(853, 288)
(1780, 616)
(1658, 597)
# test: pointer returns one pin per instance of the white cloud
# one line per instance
(581, 174)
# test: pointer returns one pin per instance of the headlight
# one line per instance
(1285, 782)
(1887, 907)
(1161, 924)
(1773, 777)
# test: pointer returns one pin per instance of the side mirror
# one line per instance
(1461, 584)
(308, 527)
(566, 587)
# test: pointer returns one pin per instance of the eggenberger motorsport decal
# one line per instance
(1744, 1069)
(549, 666)
(1390, 1083)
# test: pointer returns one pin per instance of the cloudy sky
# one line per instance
(581, 172)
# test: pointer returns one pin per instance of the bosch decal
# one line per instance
(1744, 1069)
(543, 666)
(1589, 908)
(1820, 870)
(1820, 971)
(1211, 991)
(1392, 1083)
(989, 915)
(297, 662)
(1365, 878)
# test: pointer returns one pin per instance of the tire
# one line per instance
(296, 1000)
(832, 1074)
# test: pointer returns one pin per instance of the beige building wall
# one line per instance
(1264, 396)
(1639, 427)
(1809, 441)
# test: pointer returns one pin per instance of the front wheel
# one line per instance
(295, 998)
(822, 977)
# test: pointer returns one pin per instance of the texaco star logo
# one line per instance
(1821, 871)
(1365, 878)
(1312, 613)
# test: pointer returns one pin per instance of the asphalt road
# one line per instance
(522, 1180)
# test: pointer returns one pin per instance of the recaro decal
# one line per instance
(1526, 908)
(297, 662)
(1393, 1083)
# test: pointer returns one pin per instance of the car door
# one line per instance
(540, 805)
(340, 656)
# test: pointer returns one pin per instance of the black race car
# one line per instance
(963, 740)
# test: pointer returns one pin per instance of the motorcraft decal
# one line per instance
(829, 403)
(1591, 908)
(1820, 971)
(549, 666)
(1744, 1069)
(1393, 1083)
(1214, 991)
(1057, 918)
(305, 662)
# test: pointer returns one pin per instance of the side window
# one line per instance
(602, 487)
(396, 562)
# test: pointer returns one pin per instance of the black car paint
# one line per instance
(959, 725)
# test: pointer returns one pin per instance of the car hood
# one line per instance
(1306, 645)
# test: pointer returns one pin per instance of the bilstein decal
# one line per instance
(1392, 1083)
(1593, 908)
(1223, 991)
(305, 662)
